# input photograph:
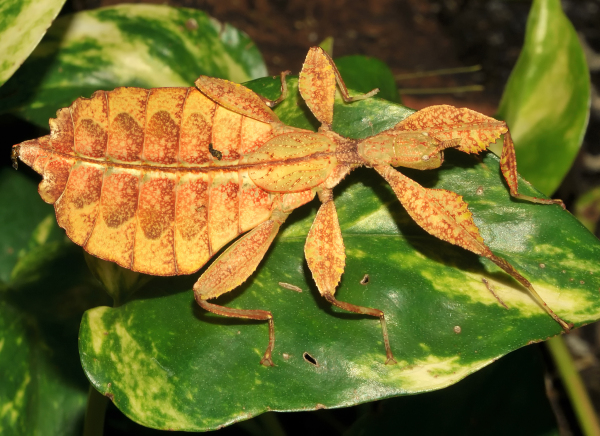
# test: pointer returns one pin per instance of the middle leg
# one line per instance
(326, 258)
(234, 267)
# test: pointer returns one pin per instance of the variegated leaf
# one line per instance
(168, 364)
(546, 101)
(126, 45)
(22, 25)
(44, 289)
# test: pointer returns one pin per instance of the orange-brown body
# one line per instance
(134, 182)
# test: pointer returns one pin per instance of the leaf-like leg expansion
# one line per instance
(326, 258)
(470, 132)
(508, 165)
(283, 94)
(317, 85)
(446, 216)
(237, 98)
(233, 267)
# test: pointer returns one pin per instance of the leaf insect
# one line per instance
(159, 180)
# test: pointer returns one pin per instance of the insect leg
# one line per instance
(446, 216)
(326, 257)
(508, 165)
(317, 85)
(237, 98)
(234, 267)
(284, 91)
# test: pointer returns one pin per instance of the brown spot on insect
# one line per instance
(216, 153)
(307, 357)
(581, 282)
(365, 280)
(290, 287)
(457, 329)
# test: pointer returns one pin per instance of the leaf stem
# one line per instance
(94, 413)
(576, 391)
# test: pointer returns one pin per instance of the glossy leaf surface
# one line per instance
(547, 98)
(22, 25)
(168, 364)
(44, 290)
(127, 45)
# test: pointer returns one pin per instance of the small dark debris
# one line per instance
(216, 153)
(365, 279)
(310, 359)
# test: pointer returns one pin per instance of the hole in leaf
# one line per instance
(365, 280)
(310, 359)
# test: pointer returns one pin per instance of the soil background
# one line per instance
(413, 36)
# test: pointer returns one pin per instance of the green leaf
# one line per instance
(364, 73)
(46, 288)
(37, 397)
(508, 397)
(169, 364)
(127, 45)
(27, 225)
(547, 99)
(22, 25)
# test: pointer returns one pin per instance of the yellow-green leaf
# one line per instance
(547, 98)
(22, 25)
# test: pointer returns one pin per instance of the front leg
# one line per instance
(233, 267)
(326, 258)
(317, 86)
(470, 132)
(508, 166)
